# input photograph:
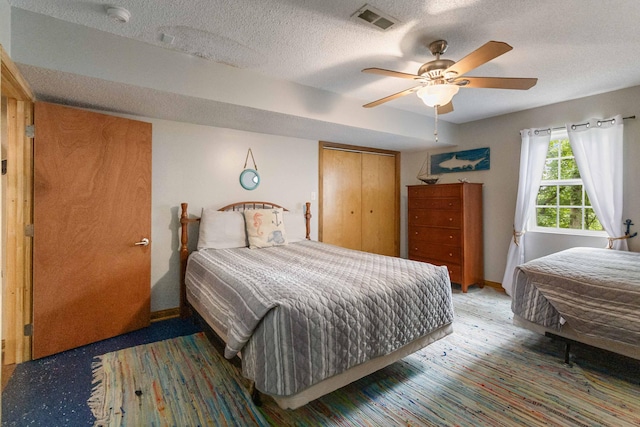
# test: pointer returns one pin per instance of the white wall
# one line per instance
(185, 154)
(501, 134)
(5, 26)
(201, 165)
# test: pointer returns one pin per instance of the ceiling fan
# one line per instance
(439, 80)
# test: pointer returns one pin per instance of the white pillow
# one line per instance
(265, 227)
(221, 230)
(296, 225)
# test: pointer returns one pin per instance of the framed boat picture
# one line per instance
(461, 161)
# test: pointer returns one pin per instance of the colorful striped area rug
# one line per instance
(178, 382)
(487, 373)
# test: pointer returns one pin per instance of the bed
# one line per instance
(307, 318)
(586, 295)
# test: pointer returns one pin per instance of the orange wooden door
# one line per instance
(92, 204)
(341, 198)
(379, 220)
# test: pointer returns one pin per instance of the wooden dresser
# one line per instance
(445, 228)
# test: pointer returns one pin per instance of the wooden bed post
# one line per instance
(307, 217)
(184, 255)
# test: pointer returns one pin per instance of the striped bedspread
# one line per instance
(596, 291)
(306, 311)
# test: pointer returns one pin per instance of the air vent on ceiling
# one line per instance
(374, 17)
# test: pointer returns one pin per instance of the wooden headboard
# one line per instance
(184, 238)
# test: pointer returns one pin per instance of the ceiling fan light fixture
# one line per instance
(439, 80)
(439, 94)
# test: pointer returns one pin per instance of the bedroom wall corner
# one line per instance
(496, 193)
(501, 135)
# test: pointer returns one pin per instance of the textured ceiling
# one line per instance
(575, 48)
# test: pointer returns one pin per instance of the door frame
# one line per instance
(17, 214)
(355, 148)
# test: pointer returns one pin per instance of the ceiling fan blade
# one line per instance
(390, 97)
(390, 73)
(446, 108)
(497, 82)
(482, 55)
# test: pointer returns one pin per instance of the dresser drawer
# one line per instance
(449, 203)
(442, 190)
(455, 270)
(442, 236)
(444, 224)
(434, 251)
(435, 218)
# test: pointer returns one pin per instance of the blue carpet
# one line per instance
(53, 391)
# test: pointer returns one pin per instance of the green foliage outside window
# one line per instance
(562, 202)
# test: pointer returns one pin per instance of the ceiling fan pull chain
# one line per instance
(435, 132)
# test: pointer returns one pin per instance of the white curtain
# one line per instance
(597, 147)
(533, 152)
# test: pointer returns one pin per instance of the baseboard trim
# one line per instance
(169, 313)
(495, 285)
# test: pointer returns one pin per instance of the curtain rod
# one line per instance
(580, 124)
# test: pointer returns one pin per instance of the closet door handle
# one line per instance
(143, 242)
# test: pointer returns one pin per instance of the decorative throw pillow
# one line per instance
(296, 227)
(265, 227)
(221, 230)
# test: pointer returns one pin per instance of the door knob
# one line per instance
(143, 242)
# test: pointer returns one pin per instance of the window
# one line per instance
(562, 204)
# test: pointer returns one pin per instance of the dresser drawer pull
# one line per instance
(450, 219)
(451, 237)
(450, 254)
